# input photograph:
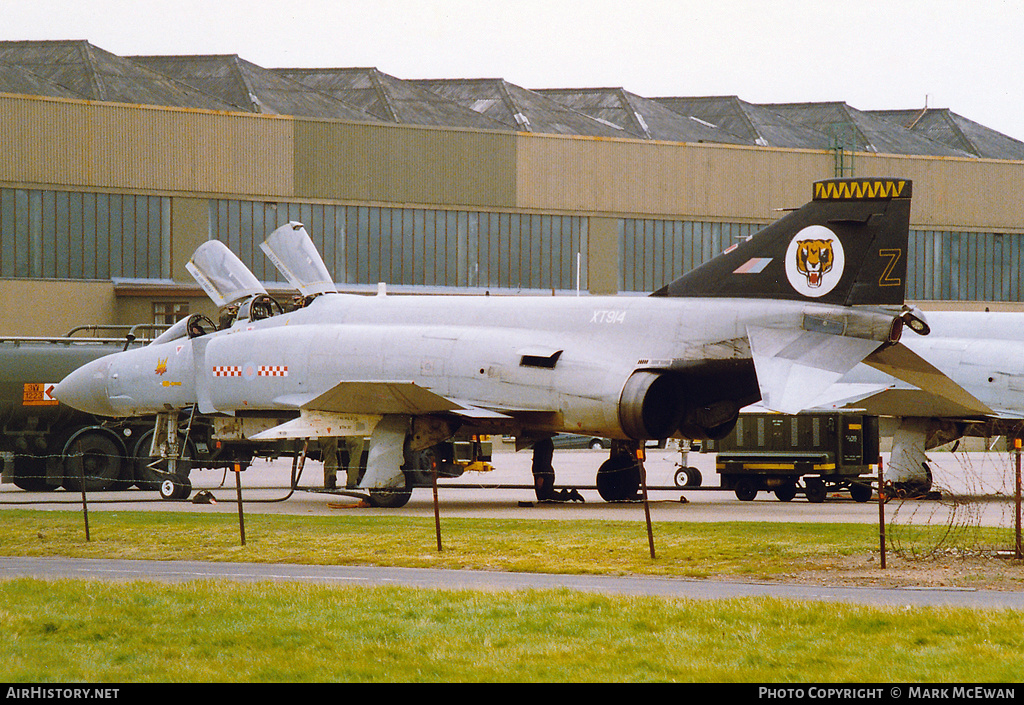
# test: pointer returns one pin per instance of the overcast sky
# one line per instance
(965, 55)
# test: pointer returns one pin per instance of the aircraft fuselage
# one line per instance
(573, 354)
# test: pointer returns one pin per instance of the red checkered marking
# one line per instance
(227, 371)
(272, 371)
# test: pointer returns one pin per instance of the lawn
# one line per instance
(113, 632)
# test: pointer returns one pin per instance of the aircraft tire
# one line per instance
(618, 479)
(148, 478)
(390, 498)
(688, 477)
(175, 487)
(860, 492)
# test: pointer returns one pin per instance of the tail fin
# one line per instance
(847, 246)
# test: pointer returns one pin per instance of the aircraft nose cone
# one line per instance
(85, 389)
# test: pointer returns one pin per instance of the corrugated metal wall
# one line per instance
(105, 145)
(404, 164)
(451, 207)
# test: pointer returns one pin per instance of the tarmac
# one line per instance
(984, 481)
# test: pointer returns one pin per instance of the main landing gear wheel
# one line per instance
(785, 493)
(860, 492)
(391, 497)
(618, 479)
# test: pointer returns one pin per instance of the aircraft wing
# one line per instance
(353, 408)
(901, 362)
(795, 368)
(380, 397)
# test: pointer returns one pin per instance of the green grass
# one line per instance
(682, 549)
(100, 632)
(96, 631)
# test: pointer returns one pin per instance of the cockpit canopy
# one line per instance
(223, 276)
(293, 253)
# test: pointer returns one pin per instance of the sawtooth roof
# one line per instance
(390, 99)
(643, 117)
(95, 74)
(251, 87)
(859, 131)
(757, 124)
(956, 131)
(77, 69)
(15, 79)
(520, 109)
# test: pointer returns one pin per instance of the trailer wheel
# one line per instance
(746, 489)
(860, 492)
(785, 492)
(96, 454)
(814, 490)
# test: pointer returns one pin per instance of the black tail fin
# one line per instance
(847, 246)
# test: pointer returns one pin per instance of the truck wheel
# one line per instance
(860, 492)
(618, 479)
(97, 455)
(786, 492)
(814, 490)
(746, 489)
(30, 474)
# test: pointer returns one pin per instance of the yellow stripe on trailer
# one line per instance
(774, 466)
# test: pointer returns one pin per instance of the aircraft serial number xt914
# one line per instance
(777, 318)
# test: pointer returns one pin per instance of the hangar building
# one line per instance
(114, 169)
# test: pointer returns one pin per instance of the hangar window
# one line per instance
(81, 235)
(169, 312)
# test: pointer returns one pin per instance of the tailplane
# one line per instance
(848, 246)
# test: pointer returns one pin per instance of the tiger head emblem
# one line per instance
(814, 259)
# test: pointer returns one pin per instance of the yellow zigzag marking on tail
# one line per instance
(856, 190)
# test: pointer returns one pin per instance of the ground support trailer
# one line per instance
(810, 454)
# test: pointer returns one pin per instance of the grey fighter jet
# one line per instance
(777, 318)
(982, 353)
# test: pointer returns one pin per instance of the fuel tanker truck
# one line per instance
(46, 445)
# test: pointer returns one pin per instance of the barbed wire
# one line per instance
(969, 512)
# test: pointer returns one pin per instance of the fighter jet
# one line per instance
(982, 353)
(776, 318)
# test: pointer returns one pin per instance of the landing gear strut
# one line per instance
(544, 475)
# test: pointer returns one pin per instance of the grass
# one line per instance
(101, 632)
(682, 549)
(104, 632)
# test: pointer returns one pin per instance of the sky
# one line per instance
(965, 55)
